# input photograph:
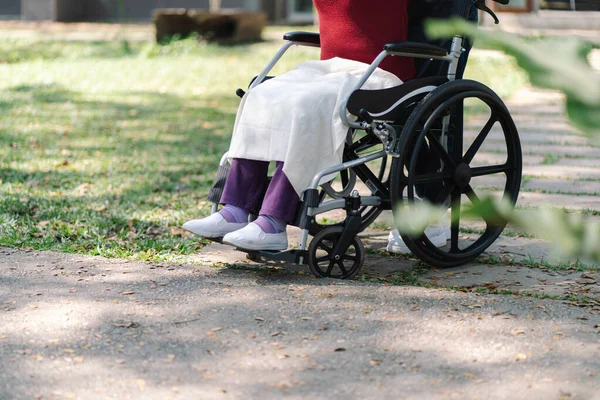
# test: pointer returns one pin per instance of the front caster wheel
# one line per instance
(323, 262)
(253, 257)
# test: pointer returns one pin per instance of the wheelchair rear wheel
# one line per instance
(481, 158)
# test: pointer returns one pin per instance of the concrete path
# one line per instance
(80, 327)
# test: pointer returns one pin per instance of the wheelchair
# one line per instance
(408, 144)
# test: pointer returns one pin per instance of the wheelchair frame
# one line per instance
(452, 58)
(383, 196)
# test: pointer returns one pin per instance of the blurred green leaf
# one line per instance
(552, 63)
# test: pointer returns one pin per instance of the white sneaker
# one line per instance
(252, 237)
(213, 226)
(438, 234)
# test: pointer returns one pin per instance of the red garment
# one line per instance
(358, 30)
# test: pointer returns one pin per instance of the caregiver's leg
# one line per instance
(242, 193)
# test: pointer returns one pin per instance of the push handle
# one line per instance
(480, 4)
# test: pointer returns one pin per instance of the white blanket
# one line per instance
(295, 117)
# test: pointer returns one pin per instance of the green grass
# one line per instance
(550, 159)
(107, 147)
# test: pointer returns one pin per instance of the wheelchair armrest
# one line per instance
(424, 49)
(304, 38)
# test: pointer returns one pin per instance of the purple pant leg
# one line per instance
(281, 200)
(245, 184)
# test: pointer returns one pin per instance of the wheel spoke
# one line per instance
(330, 268)
(320, 260)
(439, 149)
(455, 221)
(327, 248)
(349, 258)
(474, 200)
(342, 267)
(432, 177)
(490, 170)
(472, 195)
(476, 145)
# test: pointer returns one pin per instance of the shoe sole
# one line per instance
(257, 248)
(208, 235)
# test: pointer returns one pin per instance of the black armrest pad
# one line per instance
(303, 37)
(416, 48)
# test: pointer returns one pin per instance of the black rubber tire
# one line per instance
(326, 241)
(404, 175)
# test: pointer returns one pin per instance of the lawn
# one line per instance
(108, 146)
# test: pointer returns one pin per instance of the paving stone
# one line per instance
(559, 150)
(563, 186)
(578, 162)
(563, 171)
(559, 200)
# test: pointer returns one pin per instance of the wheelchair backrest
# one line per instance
(421, 10)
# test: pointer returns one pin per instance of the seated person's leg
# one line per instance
(242, 194)
(279, 208)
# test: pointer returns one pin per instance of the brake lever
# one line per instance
(480, 4)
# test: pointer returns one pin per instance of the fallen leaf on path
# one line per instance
(127, 293)
(517, 331)
(169, 358)
(124, 325)
(340, 349)
(521, 357)
(394, 316)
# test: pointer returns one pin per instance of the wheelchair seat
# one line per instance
(391, 104)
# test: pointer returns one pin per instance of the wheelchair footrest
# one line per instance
(289, 256)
